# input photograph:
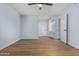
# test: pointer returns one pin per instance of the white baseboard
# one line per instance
(74, 45)
(30, 38)
(4, 46)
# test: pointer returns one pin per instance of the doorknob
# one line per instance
(65, 30)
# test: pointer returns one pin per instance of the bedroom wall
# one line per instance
(9, 26)
(29, 27)
(73, 26)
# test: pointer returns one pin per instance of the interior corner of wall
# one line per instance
(4, 46)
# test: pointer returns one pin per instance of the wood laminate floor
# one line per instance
(44, 46)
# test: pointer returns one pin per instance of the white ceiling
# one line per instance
(54, 10)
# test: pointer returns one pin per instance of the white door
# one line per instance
(63, 28)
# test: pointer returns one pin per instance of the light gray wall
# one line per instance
(73, 26)
(29, 26)
(9, 25)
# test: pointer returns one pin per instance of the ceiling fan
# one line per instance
(41, 4)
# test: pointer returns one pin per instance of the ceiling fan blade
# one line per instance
(49, 4)
(31, 3)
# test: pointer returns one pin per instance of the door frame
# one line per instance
(67, 23)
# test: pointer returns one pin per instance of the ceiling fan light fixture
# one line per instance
(39, 5)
